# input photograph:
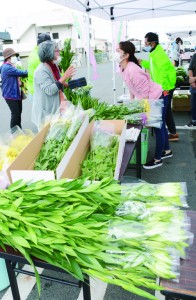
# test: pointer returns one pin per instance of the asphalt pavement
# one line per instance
(180, 168)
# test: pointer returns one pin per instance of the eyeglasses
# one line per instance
(56, 50)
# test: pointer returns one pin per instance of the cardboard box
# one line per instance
(181, 104)
(26, 159)
(72, 167)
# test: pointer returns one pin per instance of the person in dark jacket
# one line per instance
(192, 81)
(11, 91)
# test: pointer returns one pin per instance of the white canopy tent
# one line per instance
(121, 10)
(182, 33)
(132, 9)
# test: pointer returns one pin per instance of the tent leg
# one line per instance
(88, 44)
(113, 65)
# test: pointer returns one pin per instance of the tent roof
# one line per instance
(181, 33)
(132, 9)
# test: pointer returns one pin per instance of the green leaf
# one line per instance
(18, 240)
(76, 269)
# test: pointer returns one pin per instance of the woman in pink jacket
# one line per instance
(141, 86)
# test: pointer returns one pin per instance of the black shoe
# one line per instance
(191, 124)
(168, 155)
(153, 164)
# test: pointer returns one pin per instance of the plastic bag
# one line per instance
(138, 118)
(172, 192)
(13, 144)
(138, 106)
(102, 136)
(100, 161)
(63, 129)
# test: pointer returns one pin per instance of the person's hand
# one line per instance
(192, 80)
(193, 85)
(69, 73)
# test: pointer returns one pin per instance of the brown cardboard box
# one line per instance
(181, 104)
(72, 167)
(26, 159)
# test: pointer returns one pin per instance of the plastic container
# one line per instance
(144, 147)
(4, 279)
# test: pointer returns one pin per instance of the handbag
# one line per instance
(23, 95)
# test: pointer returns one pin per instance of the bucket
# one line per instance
(4, 279)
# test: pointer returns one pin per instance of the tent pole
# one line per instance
(113, 62)
(88, 9)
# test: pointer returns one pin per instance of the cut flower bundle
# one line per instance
(99, 229)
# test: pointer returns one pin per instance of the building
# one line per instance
(59, 23)
(5, 39)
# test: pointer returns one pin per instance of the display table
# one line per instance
(186, 287)
(128, 152)
(12, 258)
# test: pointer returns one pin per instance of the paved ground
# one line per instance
(182, 167)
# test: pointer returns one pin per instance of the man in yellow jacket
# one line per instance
(34, 61)
(163, 72)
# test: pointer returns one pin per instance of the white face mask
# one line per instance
(14, 60)
(148, 48)
(117, 57)
(58, 60)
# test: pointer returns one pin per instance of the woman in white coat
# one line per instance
(175, 53)
(48, 84)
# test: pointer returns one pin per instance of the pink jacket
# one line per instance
(139, 83)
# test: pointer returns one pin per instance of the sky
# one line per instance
(23, 7)
(135, 29)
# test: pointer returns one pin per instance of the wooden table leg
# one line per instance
(12, 279)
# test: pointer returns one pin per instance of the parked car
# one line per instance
(188, 46)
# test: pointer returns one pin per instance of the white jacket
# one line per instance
(175, 52)
(46, 99)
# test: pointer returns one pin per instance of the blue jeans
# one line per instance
(162, 143)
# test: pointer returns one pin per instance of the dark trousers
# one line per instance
(169, 116)
(162, 142)
(193, 106)
(15, 107)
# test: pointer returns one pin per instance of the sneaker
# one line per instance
(168, 155)
(153, 164)
(191, 124)
(173, 137)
